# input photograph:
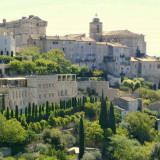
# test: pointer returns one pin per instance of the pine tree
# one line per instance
(16, 112)
(103, 118)
(7, 113)
(12, 113)
(112, 121)
(81, 139)
(3, 102)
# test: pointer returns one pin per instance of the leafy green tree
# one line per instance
(123, 148)
(31, 51)
(95, 133)
(128, 83)
(84, 70)
(28, 67)
(15, 66)
(141, 126)
(81, 139)
(11, 133)
(155, 151)
(112, 121)
(75, 69)
(97, 73)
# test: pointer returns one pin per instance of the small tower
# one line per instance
(96, 28)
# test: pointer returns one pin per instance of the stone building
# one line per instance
(7, 44)
(38, 89)
(22, 28)
(147, 68)
(127, 104)
(125, 37)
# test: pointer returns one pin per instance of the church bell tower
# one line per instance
(96, 29)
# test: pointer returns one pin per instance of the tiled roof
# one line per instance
(146, 59)
(129, 99)
(119, 45)
(120, 33)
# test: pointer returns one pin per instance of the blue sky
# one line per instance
(73, 16)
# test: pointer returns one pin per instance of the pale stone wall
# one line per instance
(24, 27)
(155, 107)
(98, 86)
(149, 70)
(7, 45)
(40, 89)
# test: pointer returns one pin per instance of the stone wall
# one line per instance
(98, 86)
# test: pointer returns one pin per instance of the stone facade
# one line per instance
(125, 37)
(38, 89)
(7, 44)
(147, 68)
(22, 28)
(98, 86)
(154, 107)
(127, 104)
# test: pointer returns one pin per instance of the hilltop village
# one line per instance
(58, 90)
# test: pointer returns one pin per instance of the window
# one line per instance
(70, 42)
(66, 92)
(55, 42)
(39, 85)
(158, 66)
(1, 52)
(44, 95)
(34, 42)
(52, 94)
(52, 84)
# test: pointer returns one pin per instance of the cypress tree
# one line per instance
(81, 139)
(21, 112)
(26, 111)
(52, 107)
(95, 99)
(36, 112)
(16, 112)
(47, 109)
(33, 111)
(159, 85)
(40, 112)
(103, 118)
(75, 102)
(12, 113)
(112, 121)
(61, 104)
(7, 113)
(3, 102)
(29, 112)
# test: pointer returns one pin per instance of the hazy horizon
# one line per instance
(69, 16)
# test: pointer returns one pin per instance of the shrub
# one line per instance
(69, 140)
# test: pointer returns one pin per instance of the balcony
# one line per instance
(125, 63)
(108, 59)
(122, 56)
